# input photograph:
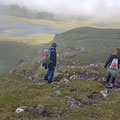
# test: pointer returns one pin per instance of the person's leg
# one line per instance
(108, 78)
(47, 75)
(113, 80)
(51, 76)
(112, 83)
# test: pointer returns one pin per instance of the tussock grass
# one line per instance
(18, 91)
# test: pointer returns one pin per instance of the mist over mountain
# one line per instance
(100, 10)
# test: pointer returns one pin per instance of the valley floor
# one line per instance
(67, 24)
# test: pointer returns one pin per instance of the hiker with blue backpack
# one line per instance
(113, 66)
(49, 62)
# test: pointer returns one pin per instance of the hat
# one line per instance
(54, 45)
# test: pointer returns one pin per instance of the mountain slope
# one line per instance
(79, 47)
(79, 99)
(87, 45)
(77, 91)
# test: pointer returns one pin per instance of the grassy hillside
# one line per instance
(79, 99)
(87, 45)
(13, 49)
(76, 98)
(79, 47)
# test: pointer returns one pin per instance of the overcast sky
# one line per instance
(96, 9)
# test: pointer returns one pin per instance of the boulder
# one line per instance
(104, 93)
(57, 93)
(65, 80)
(40, 108)
(19, 110)
(72, 102)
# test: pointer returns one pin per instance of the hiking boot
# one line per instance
(107, 85)
(45, 79)
(111, 85)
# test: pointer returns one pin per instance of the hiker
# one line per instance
(51, 66)
(113, 65)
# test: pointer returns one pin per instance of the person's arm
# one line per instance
(54, 63)
(119, 63)
(108, 61)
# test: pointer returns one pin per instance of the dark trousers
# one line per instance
(49, 75)
(109, 77)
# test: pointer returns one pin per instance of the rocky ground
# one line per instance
(79, 88)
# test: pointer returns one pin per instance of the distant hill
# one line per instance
(86, 45)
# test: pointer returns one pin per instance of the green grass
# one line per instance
(18, 91)
(34, 39)
(98, 45)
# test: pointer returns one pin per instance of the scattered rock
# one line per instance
(83, 50)
(82, 76)
(19, 110)
(73, 77)
(105, 93)
(93, 65)
(73, 63)
(40, 108)
(65, 80)
(56, 74)
(103, 79)
(30, 77)
(12, 71)
(40, 83)
(72, 102)
(116, 89)
(57, 93)
(67, 74)
(85, 77)
(55, 85)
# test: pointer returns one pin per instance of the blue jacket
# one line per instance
(110, 59)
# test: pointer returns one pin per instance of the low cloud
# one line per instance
(102, 10)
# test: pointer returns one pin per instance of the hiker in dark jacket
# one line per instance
(113, 65)
(51, 67)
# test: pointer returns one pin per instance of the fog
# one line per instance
(101, 10)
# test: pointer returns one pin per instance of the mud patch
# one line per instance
(95, 95)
